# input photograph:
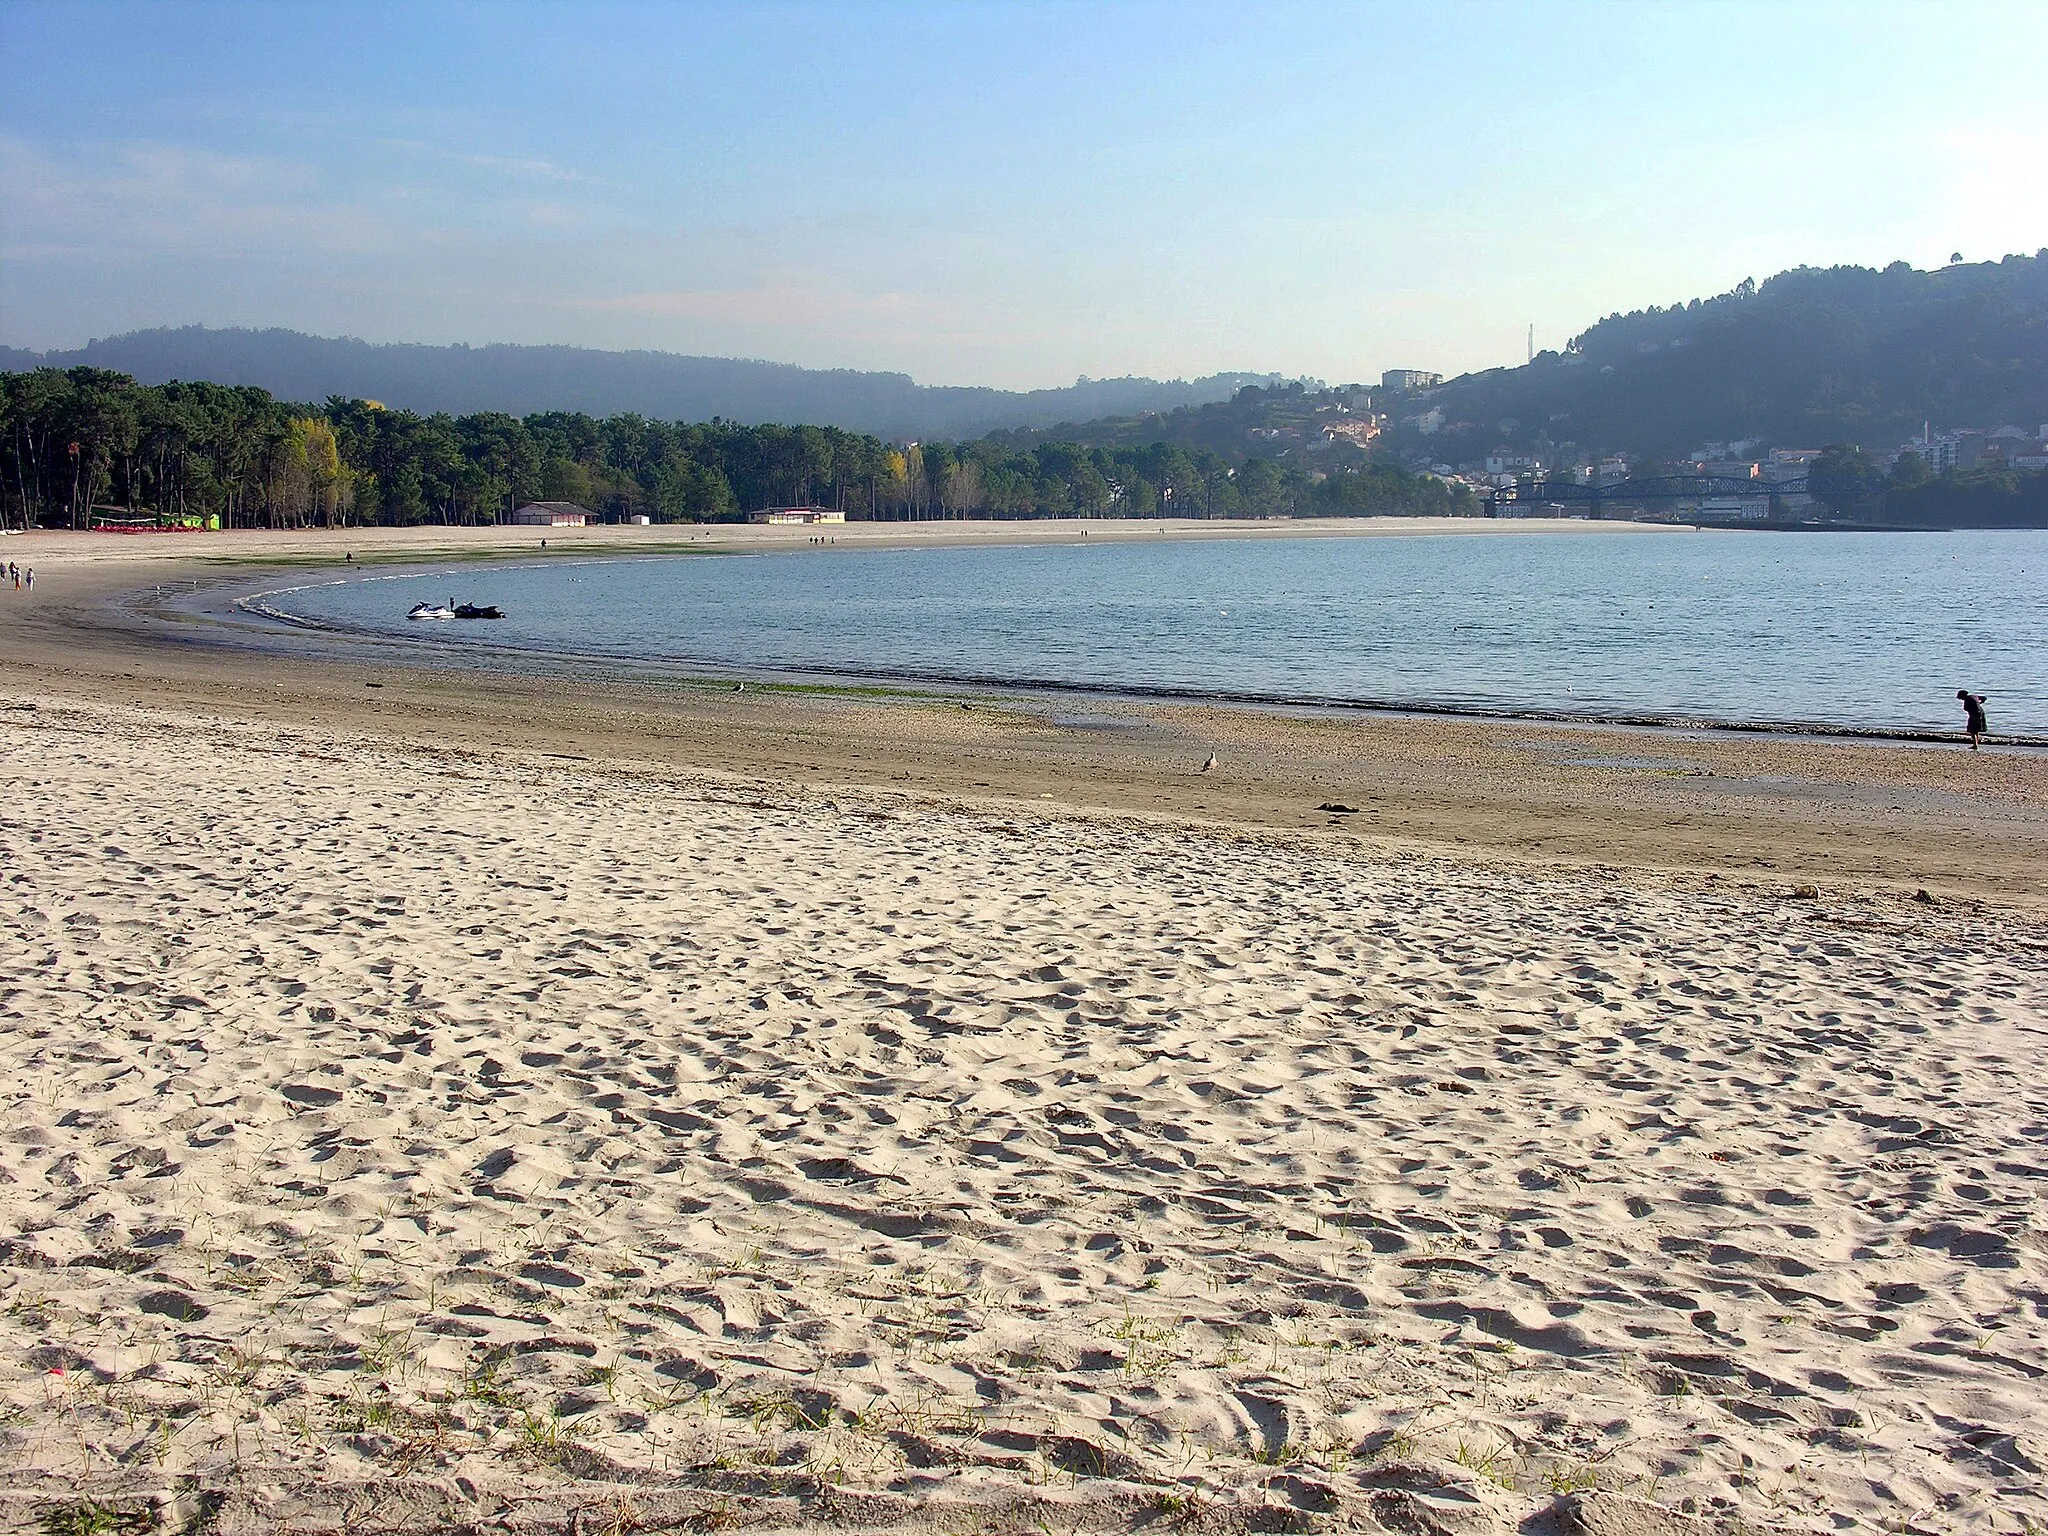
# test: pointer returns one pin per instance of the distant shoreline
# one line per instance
(424, 541)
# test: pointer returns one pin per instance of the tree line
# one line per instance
(81, 439)
(1850, 483)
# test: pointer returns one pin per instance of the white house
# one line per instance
(1939, 454)
(549, 514)
(796, 515)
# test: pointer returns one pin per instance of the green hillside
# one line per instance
(1814, 356)
(1257, 421)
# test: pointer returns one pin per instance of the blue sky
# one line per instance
(999, 194)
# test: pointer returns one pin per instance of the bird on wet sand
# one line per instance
(1210, 766)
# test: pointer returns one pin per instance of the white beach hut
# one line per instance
(550, 514)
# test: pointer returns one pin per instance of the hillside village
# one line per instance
(1312, 430)
(1414, 425)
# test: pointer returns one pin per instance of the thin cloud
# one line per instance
(155, 199)
(150, 171)
(504, 165)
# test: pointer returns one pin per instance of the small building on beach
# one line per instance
(790, 516)
(549, 514)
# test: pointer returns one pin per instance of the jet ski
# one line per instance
(431, 611)
(474, 611)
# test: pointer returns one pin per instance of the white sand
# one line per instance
(57, 550)
(530, 1127)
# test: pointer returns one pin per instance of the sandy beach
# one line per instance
(510, 1102)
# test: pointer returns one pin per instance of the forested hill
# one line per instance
(1814, 356)
(83, 447)
(1267, 421)
(521, 381)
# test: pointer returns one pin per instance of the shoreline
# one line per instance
(687, 668)
(1819, 809)
(441, 655)
(679, 537)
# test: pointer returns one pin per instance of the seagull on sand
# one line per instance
(1210, 766)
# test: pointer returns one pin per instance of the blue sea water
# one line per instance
(1860, 631)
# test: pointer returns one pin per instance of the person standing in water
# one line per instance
(1974, 722)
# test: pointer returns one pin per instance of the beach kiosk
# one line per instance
(549, 514)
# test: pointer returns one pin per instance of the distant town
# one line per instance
(1778, 478)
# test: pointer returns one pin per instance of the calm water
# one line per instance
(1860, 631)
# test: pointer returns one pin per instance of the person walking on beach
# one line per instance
(1974, 722)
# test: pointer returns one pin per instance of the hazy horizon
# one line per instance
(1011, 196)
(62, 349)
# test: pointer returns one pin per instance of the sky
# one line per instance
(1002, 194)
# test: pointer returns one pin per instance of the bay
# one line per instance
(1870, 631)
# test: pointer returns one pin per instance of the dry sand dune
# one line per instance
(392, 1135)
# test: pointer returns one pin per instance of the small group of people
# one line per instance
(22, 578)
